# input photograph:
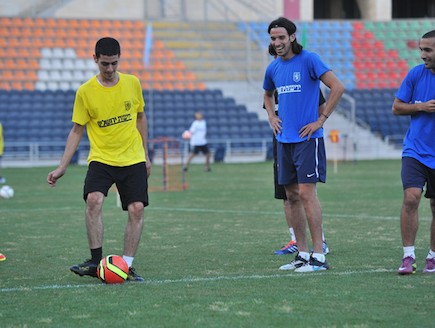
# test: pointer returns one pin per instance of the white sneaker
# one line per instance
(296, 263)
(313, 265)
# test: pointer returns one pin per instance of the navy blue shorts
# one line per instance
(131, 182)
(302, 162)
(417, 175)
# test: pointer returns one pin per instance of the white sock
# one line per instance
(319, 257)
(292, 234)
(304, 255)
(409, 251)
(128, 259)
(431, 254)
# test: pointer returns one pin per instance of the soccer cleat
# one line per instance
(325, 248)
(290, 248)
(296, 263)
(408, 266)
(85, 269)
(430, 266)
(2, 180)
(133, 276)
(313, 265)
(2, 257)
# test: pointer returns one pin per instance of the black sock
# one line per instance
(97, 255)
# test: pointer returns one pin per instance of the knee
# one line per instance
(94, 200)
(136, 210)
(411, 199)
(292, 196)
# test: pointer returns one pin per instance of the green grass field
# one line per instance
(206, 255)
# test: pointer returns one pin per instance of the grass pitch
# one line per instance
(206, 254)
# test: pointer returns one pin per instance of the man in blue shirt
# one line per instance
(296, 75)
(416, 97)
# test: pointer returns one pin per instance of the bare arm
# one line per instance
(402, 108)
(142, 126)
(337, 90)
(269, 104)
(74, 137)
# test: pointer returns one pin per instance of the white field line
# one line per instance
(199, 280)
(208, 210)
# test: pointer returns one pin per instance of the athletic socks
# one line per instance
(409, 251)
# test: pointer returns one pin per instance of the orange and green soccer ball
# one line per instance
(112, 269)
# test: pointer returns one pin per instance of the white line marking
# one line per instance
(236, 212)
(198, 279)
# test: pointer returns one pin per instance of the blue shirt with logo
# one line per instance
(297, 82)
(419, 142)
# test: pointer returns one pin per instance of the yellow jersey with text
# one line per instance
(110, 115)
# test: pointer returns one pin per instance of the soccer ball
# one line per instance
(6, 192)
(112, 269)
(186, 135)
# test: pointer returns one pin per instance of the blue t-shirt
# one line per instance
(297, 82)
(419, 142)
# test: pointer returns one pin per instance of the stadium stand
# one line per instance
(44, 60)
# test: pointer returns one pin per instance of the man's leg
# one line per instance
(94, 219)
(432, 227)
(298, 218)
(133, 230)
(313, 212)
(95, 231)
(409, 216)
(408, 228)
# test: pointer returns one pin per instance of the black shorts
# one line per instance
(279, 189)
(203, 149)
(131, 182)
(417, 175)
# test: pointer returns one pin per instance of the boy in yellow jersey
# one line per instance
(111, 106)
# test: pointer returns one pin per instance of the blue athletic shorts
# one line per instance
(302, 162)
(417, 175)
(131, 182)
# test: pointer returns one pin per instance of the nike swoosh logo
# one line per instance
(310, 175)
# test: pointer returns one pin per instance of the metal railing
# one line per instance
(36, 153)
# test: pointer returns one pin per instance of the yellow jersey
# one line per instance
(110, 115)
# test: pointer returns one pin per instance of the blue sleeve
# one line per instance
(406, 89)
(268, 83)
(317, 67)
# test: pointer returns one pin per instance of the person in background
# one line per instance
(2, 147)
(416, 98)
(197, 134)
(296, 75)
(279, 191)
(111, 106)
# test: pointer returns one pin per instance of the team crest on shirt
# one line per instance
(296, 76)
(127, 105)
